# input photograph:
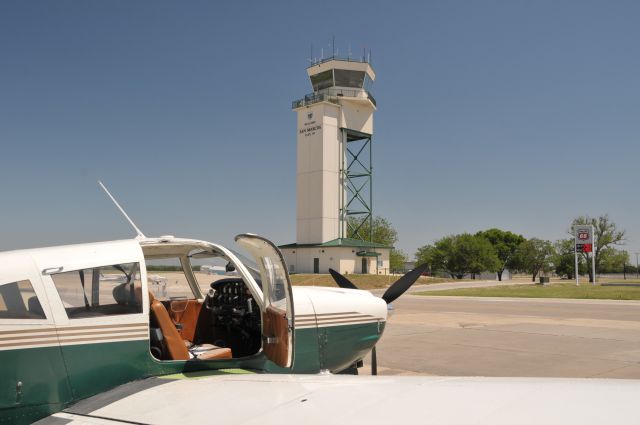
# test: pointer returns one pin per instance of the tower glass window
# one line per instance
(346, 78)
(367, 83)
(322, 80)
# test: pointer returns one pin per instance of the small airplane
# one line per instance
(213, 269)
(78, 320)
(88, 336)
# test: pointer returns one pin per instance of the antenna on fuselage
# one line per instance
(140, 234)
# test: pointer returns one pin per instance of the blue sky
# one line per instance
(512, 114)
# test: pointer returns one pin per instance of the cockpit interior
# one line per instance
(200, 306)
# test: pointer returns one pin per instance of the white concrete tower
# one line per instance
(339, 107)
(334, 172)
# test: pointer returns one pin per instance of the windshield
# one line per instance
(251, 265)
(270, 266)
(206, 263)
(277, 281)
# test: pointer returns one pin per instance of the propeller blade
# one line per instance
(374, 361)
(402, 284)
(342, 281)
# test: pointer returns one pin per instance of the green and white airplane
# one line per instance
(78, 320)
(90, 334)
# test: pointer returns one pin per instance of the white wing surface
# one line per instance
(330, 399)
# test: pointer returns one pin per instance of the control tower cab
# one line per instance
(334, 172)
(343, 82)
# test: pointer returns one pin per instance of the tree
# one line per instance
(429, 255)
(397, 258)
(606, 234)
(564, 260)
(534, 256)
(613, 261)
(439, 257)
(505, 244)
(459, 254)
(383, 233)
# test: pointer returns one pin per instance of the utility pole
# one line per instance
(636, 265)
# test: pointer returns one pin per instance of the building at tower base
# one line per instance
(344, 255)
(334, 173)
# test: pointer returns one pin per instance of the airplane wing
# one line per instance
(341, 399)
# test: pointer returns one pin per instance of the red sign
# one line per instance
(583, 235)
(587, 247)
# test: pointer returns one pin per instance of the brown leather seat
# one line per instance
(175, 344)
(210, 352)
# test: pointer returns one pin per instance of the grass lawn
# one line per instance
(618, 280)
(556, 290)
(367, 281)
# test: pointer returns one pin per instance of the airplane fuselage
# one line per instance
(60, 343)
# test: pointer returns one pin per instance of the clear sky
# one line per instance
(512, 114)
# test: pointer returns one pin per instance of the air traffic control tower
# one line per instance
(334, 172)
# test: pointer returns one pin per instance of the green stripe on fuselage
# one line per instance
(347, 343)
(33, 384)
(330, 348)
(95, 368)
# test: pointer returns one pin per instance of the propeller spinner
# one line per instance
(392, 293)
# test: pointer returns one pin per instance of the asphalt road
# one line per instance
(460, 336)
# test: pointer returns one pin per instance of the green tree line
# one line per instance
(497, 250)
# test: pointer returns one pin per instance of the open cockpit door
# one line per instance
(277, 316)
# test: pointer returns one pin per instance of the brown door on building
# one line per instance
(316, 265)
(365, 263)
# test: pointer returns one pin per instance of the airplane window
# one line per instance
(251, 266)
(167, 279)
(276, 279)
(100, 291)
(19, 301)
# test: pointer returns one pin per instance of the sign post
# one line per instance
(575, 249)
(584, 243)
(593, 261)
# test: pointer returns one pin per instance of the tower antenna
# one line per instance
(333, 46)
(140, 234)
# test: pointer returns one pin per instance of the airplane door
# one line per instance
(101, 312)
(33, 378)
(278, 314)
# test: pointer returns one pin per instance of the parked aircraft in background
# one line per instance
(213, 270)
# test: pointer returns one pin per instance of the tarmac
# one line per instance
(460, 284)
(466, 336)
